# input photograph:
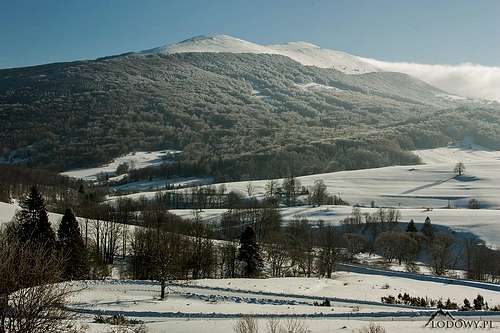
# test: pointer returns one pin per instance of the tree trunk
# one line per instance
(4, 304)
(162, 294)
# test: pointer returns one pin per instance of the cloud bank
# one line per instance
(468, 80)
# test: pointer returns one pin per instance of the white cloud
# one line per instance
(469, 80)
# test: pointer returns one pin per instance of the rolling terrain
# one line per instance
(418, 191)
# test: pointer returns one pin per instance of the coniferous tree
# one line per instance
(427, 228)
(411, 227)
(34, 225)
(466, 306)
(249, 253)
(72, 247)
(479, 303)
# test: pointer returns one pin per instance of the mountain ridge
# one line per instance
(306, 53)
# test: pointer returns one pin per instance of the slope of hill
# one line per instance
(234, 116)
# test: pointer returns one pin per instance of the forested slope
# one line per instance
(235, 116)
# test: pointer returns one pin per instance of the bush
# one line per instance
(474, 204)
(118, 320)
(372, 328)
(249, 324)
(124, 329)
(122, 168)
(408, 300)
(449, 305)
(246, 324)
(293, 325)
(479, 303)
(495, 308)
(326, 302)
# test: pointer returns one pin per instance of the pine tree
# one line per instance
(72, 247)
(466, 306)
(479, 303)
(249, 253)
(427, 228)
(34, 225)
(411, 227)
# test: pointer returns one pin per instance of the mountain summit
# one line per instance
(305, 53)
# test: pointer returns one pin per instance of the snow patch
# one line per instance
(135, 160)
(450, 97)
(312, 86)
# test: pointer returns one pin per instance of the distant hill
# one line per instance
(234, 116)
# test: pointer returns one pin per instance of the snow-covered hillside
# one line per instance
(302, 52)
(8, 211)
(135, 160)
(313, 55)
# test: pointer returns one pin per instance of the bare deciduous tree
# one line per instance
(246, 324)
(355, 243)
(277, 255)
(31, 297)
(249, 324)
(318, 193)
(441, 253)
(459, 168)
(272, 191)
(250, 189)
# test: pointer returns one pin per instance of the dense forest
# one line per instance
(234, 116)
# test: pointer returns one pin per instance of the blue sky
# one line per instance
(424, 31)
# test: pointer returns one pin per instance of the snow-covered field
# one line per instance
(157, 184)
(349, 285)
(428, 185)
(135, 160)
(409, 325)
(481, 223)
(217, 303)
(447, 155)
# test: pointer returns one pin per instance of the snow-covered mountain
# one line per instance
(312, 55)
(465, 80)
(305, 53)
